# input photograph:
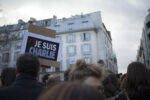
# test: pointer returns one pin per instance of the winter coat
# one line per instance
(24, 88)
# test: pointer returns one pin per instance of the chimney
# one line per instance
(20, 21)
(54, 19)
(32, 20)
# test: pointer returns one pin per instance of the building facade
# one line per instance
(143, 54)
(84, 36)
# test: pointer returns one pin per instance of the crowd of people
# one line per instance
(82, 81)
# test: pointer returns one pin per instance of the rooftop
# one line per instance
(73, 23)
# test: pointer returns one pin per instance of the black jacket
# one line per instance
(122, 96)
(24, 88)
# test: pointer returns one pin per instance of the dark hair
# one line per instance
(66, 74)
(8, 76)
(110, 85)
(44, 78)
(100, 62)
(81, 71)
(137, 80)
(71, 91)
(28, 64)
(119, 75)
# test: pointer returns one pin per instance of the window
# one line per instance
(71, 50)
(86, 49)
(34, 23)
(57, 28)
(149, 36)
(7, 46)
(85, 24)
(70, 23)
(47, 69)
(16, 55)
(56, 25)
(9, 36)
(84, 21)
(70, 26)
(21, 27)
(71, 38)
(53, 69)
(18, 45)
(57, 69)
(85, 36)
(88, 59)
(70, 62)
(10, 26)
(5, 57)
(148, 25)
(20, 35)
(58, 37)
(45, 22)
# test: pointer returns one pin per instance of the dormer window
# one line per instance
(70, 26)
(70, 23)
(85, 24)
(84, 21)
(21, 27)
(56, 25)
(45, 22)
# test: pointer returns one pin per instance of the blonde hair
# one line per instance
(82, 70)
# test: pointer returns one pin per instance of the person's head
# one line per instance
(101, 63)
(66, 74)
(105, 73)
(71, 91)
(110, 85)
(45, 78)
(8, 76)
(52, 81)
(137, 80)
(28, 64)
(86, 73)
(119, 75)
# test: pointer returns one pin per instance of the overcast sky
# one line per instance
(124, 18)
